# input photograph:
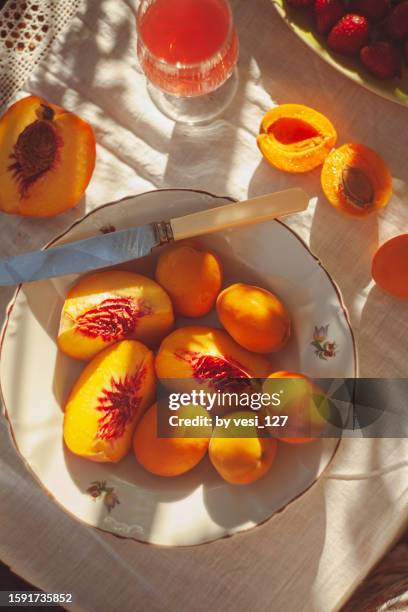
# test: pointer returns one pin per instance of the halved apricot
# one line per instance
(390, 266)
(295, 138)
(47, 157)
(356, 180)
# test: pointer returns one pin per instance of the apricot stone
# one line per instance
(105, 307)
(195, 356)
(241, 457)
(107, 401)
(192, 276)
(47, 157)
(173, 455)
(254, 317)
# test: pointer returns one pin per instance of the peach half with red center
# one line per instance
(107, 401)
(47, 157)
(197, 356)
(106, 307)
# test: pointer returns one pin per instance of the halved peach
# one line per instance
(207, 357)
(107, 401)
(47, 157)
(105, 307)
(356, 180)
(295, 138)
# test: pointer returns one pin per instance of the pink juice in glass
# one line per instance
(186, 47)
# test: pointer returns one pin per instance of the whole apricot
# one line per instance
(192, 276)
(173, 455)
(303, 403)
(237, 453)
(256, 318)
(390, 266)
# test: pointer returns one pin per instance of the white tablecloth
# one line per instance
(313, 554)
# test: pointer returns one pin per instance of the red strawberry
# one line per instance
(372, 9)
(381, 59)
(349, 34)
(300, 3)
(397, 22)
(327, 13)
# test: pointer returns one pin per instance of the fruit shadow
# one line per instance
(383, 324)
(129, 473)
(292, 473)
(381, 493)
(345, 247)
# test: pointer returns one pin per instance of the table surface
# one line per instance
(312, 555)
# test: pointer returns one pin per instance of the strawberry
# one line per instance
(381, 59)
(372, 9)
(349, 34)
(327, 13)
(300, 3)
(397, 22)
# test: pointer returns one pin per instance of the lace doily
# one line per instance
(27, 30)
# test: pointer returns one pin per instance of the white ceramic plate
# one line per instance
(301, 22)
(123, 498)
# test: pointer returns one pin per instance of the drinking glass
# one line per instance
(188, 50)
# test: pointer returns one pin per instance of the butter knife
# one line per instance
(125, 245)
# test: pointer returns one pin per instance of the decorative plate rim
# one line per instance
(5, 411)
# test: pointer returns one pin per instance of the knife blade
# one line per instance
(125, 245)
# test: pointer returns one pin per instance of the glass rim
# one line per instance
(180, 65)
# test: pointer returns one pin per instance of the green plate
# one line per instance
(301, 22)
